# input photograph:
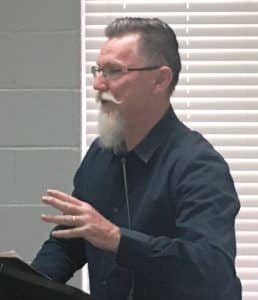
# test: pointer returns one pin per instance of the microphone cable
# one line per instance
(123, 161)
(129, 219)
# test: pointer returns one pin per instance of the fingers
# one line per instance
(67, 220)
(68, 233)
(65, 207)
(82, 221)
(63, 196)
(64, 202)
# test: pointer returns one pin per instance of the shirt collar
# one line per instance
(156, 136)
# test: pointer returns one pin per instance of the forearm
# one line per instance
(59, 259)
(163, 260)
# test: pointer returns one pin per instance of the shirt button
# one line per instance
(116, 210)
(104, 282)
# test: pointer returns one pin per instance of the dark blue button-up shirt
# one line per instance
(182, 205)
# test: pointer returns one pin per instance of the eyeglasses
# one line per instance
(113, 71)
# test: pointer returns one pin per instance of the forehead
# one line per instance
(120, 50)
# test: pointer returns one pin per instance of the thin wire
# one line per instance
(123, 161)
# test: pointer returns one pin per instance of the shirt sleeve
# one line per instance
(58, 258)
(200, 255)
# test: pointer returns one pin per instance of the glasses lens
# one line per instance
(94, 71)
(108, 71)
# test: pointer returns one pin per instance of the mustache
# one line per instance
(104, 96)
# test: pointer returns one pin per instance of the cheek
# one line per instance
(142, 90)
(121, 90)
(134, 92)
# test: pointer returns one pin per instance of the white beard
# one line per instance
(110, 127)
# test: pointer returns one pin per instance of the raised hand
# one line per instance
(83, 221)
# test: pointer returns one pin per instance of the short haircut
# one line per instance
(159, 42)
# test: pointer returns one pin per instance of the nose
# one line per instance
(100, 83)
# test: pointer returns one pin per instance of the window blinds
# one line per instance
(217, 93)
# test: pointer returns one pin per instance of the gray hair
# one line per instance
(159, 42)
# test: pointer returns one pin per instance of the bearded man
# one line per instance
(154, 205)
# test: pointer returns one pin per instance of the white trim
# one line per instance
(85, 274)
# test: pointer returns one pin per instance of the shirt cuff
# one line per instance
(134, 248)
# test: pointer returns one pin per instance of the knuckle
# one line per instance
(88, 227)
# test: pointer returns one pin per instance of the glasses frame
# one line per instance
(109, 72)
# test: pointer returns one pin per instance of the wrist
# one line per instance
(115, 239)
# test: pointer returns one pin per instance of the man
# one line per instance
(154, 205)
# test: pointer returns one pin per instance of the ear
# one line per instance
(163, 79)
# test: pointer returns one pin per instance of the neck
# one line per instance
(139, 127)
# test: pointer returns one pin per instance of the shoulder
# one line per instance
(94, 157)
(94, 152)
(193, 154)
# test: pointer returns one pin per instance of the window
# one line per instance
(217, 93)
